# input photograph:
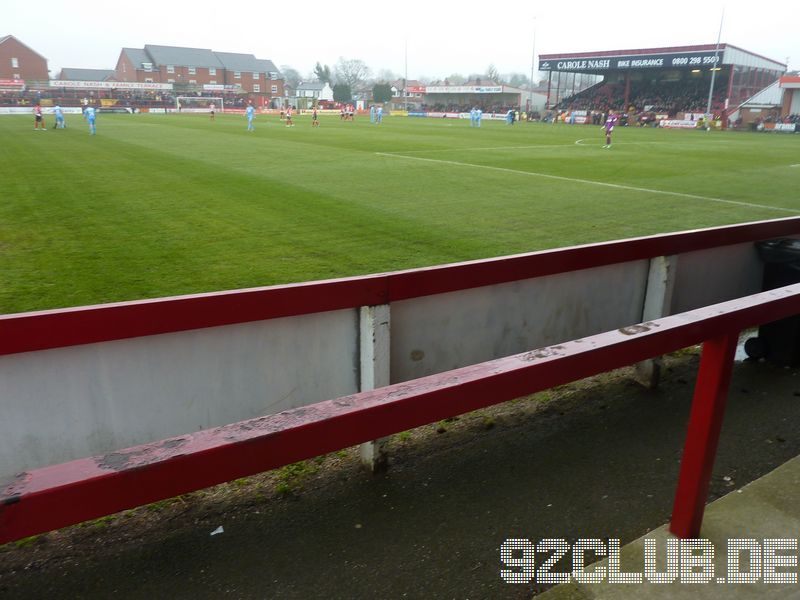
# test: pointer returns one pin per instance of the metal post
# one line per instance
(533, 63)
(714, 72)
(558, 88)
(627, 92)
(405, 80)
(702, 436)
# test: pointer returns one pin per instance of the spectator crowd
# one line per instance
(135, 99)
(663, 97)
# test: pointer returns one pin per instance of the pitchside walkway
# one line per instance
(766, 508)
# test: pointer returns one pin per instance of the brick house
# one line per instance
(18, 62)
(406, 94)
(190, 69)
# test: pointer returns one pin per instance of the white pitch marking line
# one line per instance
(598, 140)
(471, 149)
(670, 143)
(576, 143)
(797, 165)
(547, 146)
(589, 182)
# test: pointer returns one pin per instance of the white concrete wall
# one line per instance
(67, 403)
(715, 275)
(438, 333)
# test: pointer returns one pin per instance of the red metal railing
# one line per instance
(59, 495)
(84, 325)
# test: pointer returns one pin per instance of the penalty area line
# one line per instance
(618, 186)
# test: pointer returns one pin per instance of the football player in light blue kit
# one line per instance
(90, 116)
(372, 114)
(478, 115)
(379, 115)
(251, 114)
(60, 122)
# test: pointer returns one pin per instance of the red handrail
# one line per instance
(59, 495)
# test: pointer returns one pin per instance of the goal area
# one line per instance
(196, 104)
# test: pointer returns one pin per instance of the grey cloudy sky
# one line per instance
(443, 37)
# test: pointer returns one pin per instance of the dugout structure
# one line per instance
(631, 75)
(199, 104)
(488, 95)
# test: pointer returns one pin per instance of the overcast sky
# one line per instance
(462, 36)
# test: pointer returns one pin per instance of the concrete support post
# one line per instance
(374, 329)
(657, 301)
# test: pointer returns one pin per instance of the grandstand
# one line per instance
(671, 81)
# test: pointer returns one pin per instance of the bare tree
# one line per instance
(492, 73)
(387, 75)
(456, 79)
(290, 75)
(516, 79)
(351, 72)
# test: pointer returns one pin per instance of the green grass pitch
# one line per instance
(159, 205)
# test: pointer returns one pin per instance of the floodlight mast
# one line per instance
(533, 63)
(714, 70)
(405, 80)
